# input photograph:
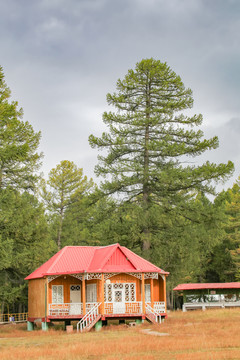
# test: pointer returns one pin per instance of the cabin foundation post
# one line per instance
(44, 326)
(30, 326)
(98, 325)
(66, 323)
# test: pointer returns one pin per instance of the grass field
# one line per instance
(213, 334)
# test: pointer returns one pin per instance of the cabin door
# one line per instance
(118, 301)
(75, 300)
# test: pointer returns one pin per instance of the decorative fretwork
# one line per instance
(137, 275)
(52, 277)
(118, 286)
(96, 276)
(128, 292)
(107, 276)
(151, 276)
(78, 276)
(108, 292)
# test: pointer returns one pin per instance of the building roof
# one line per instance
(94, 259)
(231, 285)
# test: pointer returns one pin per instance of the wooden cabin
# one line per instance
(209, 295)
(94, 284)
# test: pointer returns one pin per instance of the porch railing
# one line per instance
(206, 304)
(133, 307)
(89, 319)
(153, 315)
(158, 306)
(67, 309)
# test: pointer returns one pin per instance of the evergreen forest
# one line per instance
(155, 197)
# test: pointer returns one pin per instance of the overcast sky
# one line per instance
(61, 57)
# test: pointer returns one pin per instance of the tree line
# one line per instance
(153, 197)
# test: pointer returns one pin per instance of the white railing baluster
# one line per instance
(89, 318)
(154, 313)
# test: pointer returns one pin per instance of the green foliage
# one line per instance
(146, 148)
(19, 159)
(66, 186)
(24, 242)
(24, 237)
(224, 263)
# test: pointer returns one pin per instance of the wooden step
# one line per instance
(90, 326)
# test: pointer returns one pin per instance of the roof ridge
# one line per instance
(122, 248)
(93, 254)
(57, 258)
(156, 267)
(114, 246)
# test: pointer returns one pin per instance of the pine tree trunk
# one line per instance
(146, 231)
(60, 231)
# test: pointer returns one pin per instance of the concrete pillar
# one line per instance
(44, 326)
(67, 323)
(30, 326)
(98, 325)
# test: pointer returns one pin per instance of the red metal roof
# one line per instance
(231, 285)
(99, 259)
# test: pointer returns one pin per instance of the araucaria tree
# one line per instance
(148, 143)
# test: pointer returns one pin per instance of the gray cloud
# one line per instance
(61, 57)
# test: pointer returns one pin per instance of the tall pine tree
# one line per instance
(148, 140)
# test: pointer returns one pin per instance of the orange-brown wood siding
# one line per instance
(66, 281)
(161, 289)
(36, 298)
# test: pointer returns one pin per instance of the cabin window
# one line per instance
(92, 293)
(128, 291)
(147, 293)
(57, 294)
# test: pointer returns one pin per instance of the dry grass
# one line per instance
(210, 335)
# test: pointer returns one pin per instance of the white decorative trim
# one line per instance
(91, 276)
(108, 275)
(77, 276)
(162, 276)
(52, 277)
(151, 276)
(137, 275)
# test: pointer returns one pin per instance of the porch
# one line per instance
(129, 308)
